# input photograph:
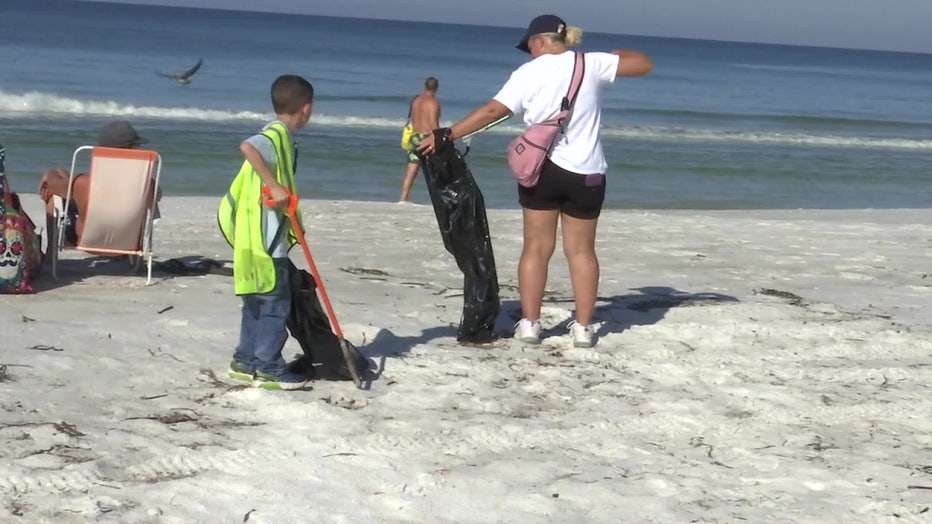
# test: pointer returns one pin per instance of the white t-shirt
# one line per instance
(536, 90)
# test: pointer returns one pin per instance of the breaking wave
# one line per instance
(38, 103)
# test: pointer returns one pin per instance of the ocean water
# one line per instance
(716, 126)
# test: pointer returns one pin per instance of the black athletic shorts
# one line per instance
(579, 196)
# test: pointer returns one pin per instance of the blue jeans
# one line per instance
(263, 332)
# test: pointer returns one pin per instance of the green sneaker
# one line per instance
(240, 371)
(284, 380)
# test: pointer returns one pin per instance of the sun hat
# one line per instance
(119, 133)
(542, 24)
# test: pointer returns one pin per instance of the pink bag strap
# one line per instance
(579, 69)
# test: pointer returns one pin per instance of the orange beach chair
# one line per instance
(120, 207)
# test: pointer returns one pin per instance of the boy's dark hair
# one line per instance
(431, 84)
(290, 93)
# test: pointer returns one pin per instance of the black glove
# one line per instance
(442, 139)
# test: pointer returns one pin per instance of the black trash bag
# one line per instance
(308, 323)
(461, 216)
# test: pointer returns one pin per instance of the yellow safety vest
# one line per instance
(242, 217)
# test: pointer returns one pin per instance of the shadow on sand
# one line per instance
(644, 306)
(73, 270)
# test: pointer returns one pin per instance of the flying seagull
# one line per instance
(185, 78)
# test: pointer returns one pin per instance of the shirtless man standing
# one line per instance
(425, 117)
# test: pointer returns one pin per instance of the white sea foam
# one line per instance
(49, 103)
(802, 139)
(35, 102)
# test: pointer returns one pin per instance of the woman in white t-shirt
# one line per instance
(572, 182)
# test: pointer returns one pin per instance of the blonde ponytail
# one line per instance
(573, 36)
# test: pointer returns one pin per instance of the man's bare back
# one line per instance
(425, 110)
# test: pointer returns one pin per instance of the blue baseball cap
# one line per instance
(542, 24)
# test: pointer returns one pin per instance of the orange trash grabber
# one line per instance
(350, 353)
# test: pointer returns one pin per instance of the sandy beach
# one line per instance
(761, 366)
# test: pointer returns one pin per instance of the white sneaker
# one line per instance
(527, 331)
(582, 335)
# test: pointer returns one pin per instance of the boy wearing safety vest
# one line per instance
(252, 220)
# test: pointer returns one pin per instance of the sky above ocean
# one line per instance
(901, 25)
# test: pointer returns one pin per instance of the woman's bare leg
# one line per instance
(540, 234)
(579, 248)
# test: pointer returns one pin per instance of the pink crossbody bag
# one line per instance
(527, 152)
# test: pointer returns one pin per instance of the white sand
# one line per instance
(705, 399)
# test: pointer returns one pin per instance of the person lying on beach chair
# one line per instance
(54, 182)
